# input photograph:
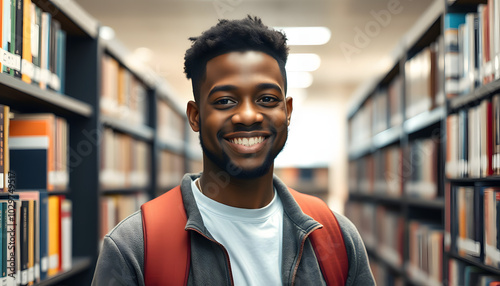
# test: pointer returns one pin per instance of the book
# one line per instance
(41, 139)
(54, 231)
(6, 31)
(66, 237)
(36, 28)
(452, 22)
(24, 242)
(45, 74)
(33, 197)
(27, 60)
(44, 236)
(18, 49)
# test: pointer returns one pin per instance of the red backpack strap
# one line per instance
(328, 242)
(163, 222)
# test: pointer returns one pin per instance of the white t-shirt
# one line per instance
(252, 237)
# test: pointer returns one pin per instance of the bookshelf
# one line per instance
(435, 166)
(131, 115)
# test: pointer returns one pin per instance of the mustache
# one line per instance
(247, 128)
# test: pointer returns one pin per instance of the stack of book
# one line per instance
(33, 45)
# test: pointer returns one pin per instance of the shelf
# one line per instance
(28, 97)
(118, 191)
(437, 203)
(360, 150)
(78, 265)
(483, 181)
(424, 120)
(492, 269)
(377, 198)
(475, 96)
(171, 146)
(79, 19)
(140, 131)
(373, 252)
(387, 137)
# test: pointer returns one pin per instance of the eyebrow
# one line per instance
(230, 87)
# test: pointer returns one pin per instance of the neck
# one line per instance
(236, 192)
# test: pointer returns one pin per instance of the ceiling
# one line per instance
(353, 55)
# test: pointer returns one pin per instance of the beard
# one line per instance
(225, 163)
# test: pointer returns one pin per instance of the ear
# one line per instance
(289, 109)
(193, 115)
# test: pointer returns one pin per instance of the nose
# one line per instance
(247, 114)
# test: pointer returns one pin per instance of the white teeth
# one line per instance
(248, 141)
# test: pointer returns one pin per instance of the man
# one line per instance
(243, 225)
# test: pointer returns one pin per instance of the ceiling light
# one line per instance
(106, 33)
(306, 35)
(298, 79)
(303, 62)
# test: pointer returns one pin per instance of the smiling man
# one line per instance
(235, 223)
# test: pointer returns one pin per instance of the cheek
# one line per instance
(279, 121)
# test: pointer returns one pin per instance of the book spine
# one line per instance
(31, 242)
(11, 241)
(66, 229)
(27, 66)
(13, 38)
(44, 263)
(6, 30)
(24, 233)
(18, 49)
(2, 149)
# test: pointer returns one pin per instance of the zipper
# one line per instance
(295, 269)
(223, 248)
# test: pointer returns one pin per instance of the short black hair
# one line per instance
(248, 34)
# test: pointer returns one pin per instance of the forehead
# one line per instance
(242, 68)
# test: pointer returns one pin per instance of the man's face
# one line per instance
(243, 113)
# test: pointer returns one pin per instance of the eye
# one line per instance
(268, 100)
(224, 102)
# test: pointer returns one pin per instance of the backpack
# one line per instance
(164, 220)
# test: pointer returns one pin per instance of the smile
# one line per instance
(247, 141)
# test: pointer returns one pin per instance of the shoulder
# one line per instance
(122, 254)
(349, 230)
(130, 225)
(128, 236)
(359, 269)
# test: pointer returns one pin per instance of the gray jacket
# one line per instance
(121, 261)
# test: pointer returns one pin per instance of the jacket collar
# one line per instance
(292, 210)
